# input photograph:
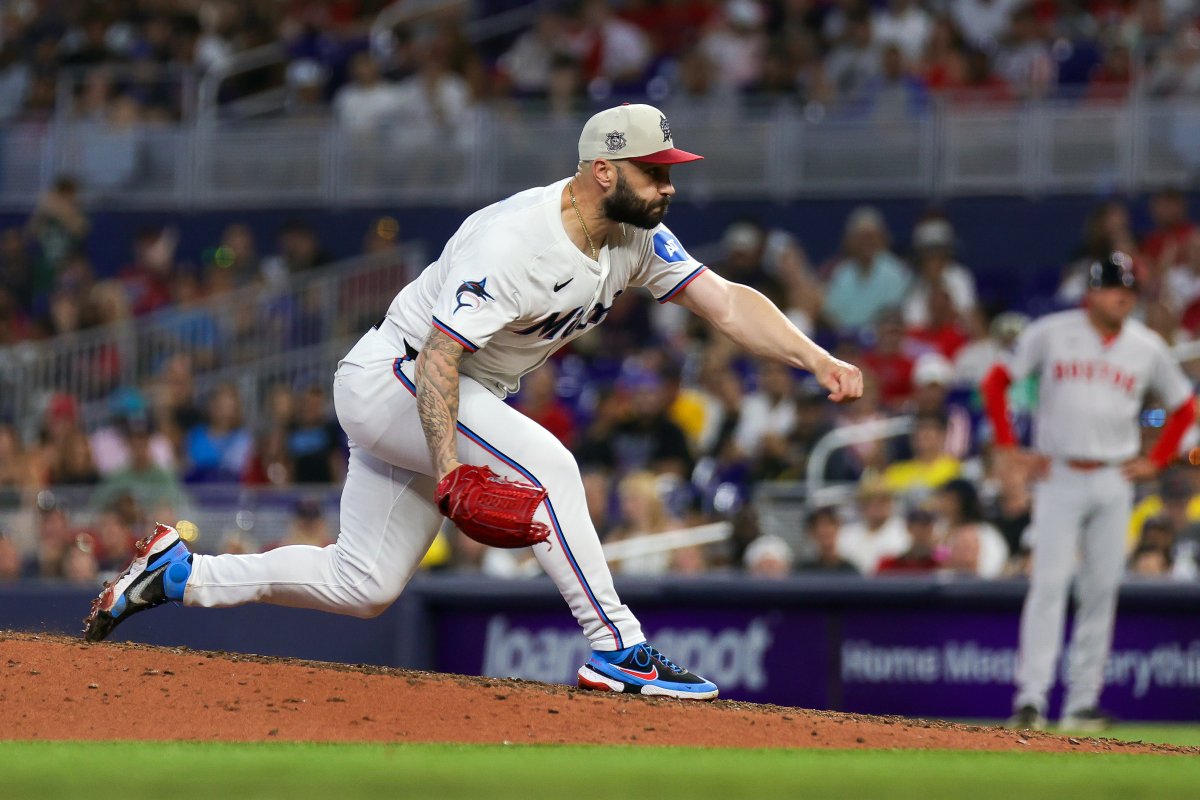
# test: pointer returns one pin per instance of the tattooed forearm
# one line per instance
(437, 398)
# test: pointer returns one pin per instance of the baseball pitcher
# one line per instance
(421, 399)
(1095, 366)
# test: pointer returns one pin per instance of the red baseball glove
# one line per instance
(490, 509)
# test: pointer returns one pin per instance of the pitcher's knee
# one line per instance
(360, 592)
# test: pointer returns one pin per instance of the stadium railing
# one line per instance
(253, 337)
(753, 151)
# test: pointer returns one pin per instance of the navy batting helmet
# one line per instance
(1113, 271)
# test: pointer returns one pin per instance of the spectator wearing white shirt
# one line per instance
(975, 547)
(769, 414)
(878, 534)
(905, 24)
(434, 102)
(736, 44)
(610, 47)
(367, 102)
(983, 22)
(973, 361)
(529, 63)
(851, 65)
(933, 254)
(1025, 61)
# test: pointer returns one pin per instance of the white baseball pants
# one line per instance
(1080, 513)
(388, 519)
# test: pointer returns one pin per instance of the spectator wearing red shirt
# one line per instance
(539, 402)
(923, 556)
(889, 360)
(148, 278)
(1110, 80)
(1168, 209)
(943, 330)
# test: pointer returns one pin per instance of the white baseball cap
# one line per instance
(638, 132)
(932, 368)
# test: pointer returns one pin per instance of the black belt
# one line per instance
(410, 352)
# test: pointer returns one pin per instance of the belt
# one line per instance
(410, 352)
(1084, 465)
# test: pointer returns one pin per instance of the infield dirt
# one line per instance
(56, 687)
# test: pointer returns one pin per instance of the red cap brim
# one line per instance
(672, 155)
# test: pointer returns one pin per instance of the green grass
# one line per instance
(181, 771)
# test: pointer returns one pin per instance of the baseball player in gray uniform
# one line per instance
(1095, 367)
(421, 394)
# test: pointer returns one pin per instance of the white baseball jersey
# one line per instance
(1091, 390)
(511, 287)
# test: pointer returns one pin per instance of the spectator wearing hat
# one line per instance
(877, 534)
(822, 529)
(922, 555)
(933, 257)
(306, 78)
(768, 557)
(869, 279)
(932, 377)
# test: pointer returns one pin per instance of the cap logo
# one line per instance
(666, 129)
(614, 141)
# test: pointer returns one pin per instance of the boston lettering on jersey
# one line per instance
(1093, 371)
(553, 326)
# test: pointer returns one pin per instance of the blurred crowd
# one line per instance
(858, 56)
(49, 286)
(671, 424)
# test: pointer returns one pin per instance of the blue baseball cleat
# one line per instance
(157, 575)
(642, 670)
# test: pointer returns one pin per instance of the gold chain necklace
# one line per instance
(582, 224)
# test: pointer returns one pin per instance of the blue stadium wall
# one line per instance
(1016, 245)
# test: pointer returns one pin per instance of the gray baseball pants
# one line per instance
(1079, 523)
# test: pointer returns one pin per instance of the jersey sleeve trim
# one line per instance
(679, 287)
(467, 344)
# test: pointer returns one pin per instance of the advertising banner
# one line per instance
(935, 662)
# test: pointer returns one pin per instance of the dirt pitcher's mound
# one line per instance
(54, 687)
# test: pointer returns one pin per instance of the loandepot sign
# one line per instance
(949, 662)
(732, 657)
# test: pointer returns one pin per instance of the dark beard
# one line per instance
(624, 206)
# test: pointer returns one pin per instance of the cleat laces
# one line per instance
(666, 662)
